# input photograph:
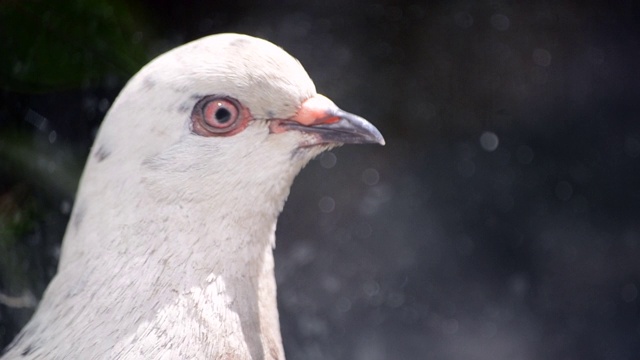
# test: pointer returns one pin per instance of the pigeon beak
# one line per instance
(320, 117)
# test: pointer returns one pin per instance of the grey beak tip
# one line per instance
(366, 131)
(377, 136)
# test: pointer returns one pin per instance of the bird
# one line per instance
(168, 253)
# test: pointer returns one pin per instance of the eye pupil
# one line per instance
(223, 115)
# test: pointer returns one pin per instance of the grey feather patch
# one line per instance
(184, 108)
(27, 350)
(239, 43)
(78, 216)
(102, 153)
(181, 89)
(148, 82)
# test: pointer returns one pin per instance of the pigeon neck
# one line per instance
(189, 269)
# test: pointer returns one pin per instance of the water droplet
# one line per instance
(463, 19)
(311, 326)
(500, 22)
(395, 299)
(489, 141)
(524, 154)
(331, 284)
(541, 57)
(328, 160)
(519, 285)
(564, 190)
(65, 207)
(37, 120)
(103, 105)
(137, 37)
(465, 151)
(52, 136)
(52, 167)
(370, 176)
(302, 253)
(327, 204)
(18, 68)
(343, 304)
(370, 287)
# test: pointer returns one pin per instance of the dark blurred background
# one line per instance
(501, 221)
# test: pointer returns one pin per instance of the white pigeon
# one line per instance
(168, 253)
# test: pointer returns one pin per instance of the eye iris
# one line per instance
(218, 116)
(222, 115)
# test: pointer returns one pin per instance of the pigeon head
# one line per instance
(229, 106)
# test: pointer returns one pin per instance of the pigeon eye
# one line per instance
(218, 116)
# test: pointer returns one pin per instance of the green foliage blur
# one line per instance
(62, 44)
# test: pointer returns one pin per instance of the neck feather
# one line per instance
(168, 270)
